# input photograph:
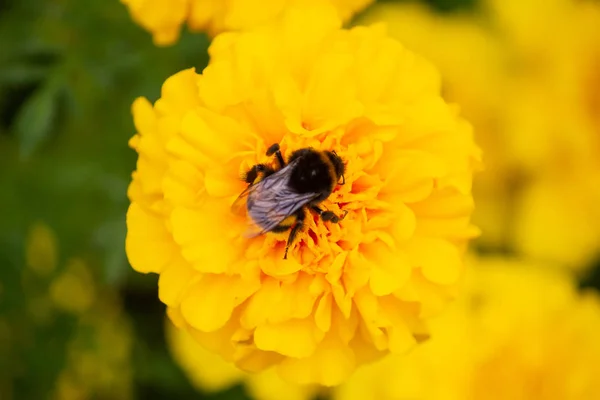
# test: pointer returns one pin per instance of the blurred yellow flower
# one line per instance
(97, 362)
(41, 253)
(534, 105)
(73, 290)
(522, 332)
(349, 292)
(41, 260)
(553, 128)
(99, 355)
(164, 18)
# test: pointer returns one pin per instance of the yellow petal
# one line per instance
(372, 319)
(174, 315)
(220, 183)
(174, 280)
(294, 300)
(294, 338)
(259, 306)
(403, 224)
(183, 184)
(440, 261)
(179, 94)
(253, 360)
(345, 327)
(389, 270)
(401, 338)
(356, 272)
(342, 298)
(323, 313)
(329, 103)
(277, 266)
(269, 386)
(209, 303)
(193, 231)
(330, 364)
(144, 117)
(411, 176)
(219, 341)
(147, 231)
(446, 213)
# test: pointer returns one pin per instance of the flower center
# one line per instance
(335, 225)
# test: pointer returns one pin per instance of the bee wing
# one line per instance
(239, 205)
(269, 212)
(271, 200)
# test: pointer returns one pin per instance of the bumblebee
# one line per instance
(277, 199)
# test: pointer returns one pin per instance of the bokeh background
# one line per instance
(75, 321)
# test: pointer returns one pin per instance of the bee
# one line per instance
(277, 199)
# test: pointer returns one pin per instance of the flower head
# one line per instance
(164, 18)
(349, 292)
(520, 332)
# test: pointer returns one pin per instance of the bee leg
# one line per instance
(258, 170)
(250, 176)
(297, 226)
(274, 149)
(328, 215)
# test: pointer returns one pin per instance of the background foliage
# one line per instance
(69, 71)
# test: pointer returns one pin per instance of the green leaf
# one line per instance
(22, 74)
(36, 117)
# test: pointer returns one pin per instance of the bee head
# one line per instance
(338, 164)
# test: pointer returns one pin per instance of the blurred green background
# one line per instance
(69, 71)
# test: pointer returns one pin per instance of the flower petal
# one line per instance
(329, 365)
(209, 303)
(205, 250)
(294, 338)
(174, 280)
(389, 270)
(440, 261)
(145, 230)
(323, 313)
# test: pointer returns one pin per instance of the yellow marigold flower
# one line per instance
(164, 18)
(349, 292)
(521, 332)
